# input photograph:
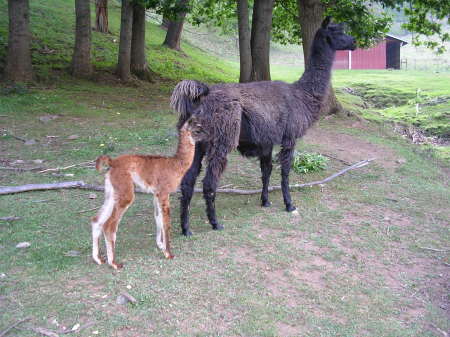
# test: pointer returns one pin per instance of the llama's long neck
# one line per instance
(316, 78)
(186, 149)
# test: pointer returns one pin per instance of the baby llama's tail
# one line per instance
(103, 162)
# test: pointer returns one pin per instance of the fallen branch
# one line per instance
(43, 331)
(82, 185)
(4, 332)
(435, 250)
(21, 168)
(88, 210)
(10, 218)
(64, 168)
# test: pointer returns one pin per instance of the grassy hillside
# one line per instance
(52, 26)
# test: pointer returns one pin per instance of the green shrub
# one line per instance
(305, 162)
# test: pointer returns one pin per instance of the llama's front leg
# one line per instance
(286, 155)
(187, 188)
(212, 176)
(266, 170)
(163, 223)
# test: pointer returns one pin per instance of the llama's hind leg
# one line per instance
(99, 220)
(215, 168)
(123, 199)
(286, 155)
(265, 162)
(187, 187)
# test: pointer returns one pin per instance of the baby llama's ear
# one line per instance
(326, 22)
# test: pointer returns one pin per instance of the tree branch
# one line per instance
(82, 185)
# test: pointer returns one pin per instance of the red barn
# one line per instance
(384, 55)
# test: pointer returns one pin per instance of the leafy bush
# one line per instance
(305, 162)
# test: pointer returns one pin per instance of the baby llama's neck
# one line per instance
(186, 149)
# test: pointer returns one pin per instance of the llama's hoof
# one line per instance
(116, 266)
(217, 227)
(291, 208)
(187, 232)
(168, 256)
(266, 203)
(99, 260)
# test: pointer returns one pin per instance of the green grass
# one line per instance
(352, 264)
(330, 272)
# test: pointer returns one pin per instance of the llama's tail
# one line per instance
(184, 98)
(103, 162)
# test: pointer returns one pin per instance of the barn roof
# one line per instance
(402, 42)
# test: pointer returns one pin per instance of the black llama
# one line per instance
(253, 117)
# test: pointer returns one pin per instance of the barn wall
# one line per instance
(341, 59)
(373, 58)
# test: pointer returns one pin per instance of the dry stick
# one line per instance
(4, 332)
(10, 218)
(88, 210)
(84, 326)
(21, 168)
(436, 250)
(65, 168)
(43, 331)
(83, 185)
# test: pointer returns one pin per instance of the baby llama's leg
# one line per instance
(159, 223)
(99, 220)
(162, 199)
(124, 197)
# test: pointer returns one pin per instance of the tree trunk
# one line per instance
(139, 65)
(101, 16)
(126, 26)
(173, 36)
(260, 40)
(81, 60)
(18, 60)
(165, 22)
(311, 14)
(245, 54)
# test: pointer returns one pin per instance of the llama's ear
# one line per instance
(326, 22)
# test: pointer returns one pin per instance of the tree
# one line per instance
(260, 40)
(18, 59)
(101, 16)
(138, 62)
(81, 59)
(175, 28)
(126, 26)
(165, 22)
(225, 13)
(245, 52)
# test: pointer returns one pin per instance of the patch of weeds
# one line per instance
(381, 97)
(306, 162)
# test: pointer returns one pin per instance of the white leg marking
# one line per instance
(96, 232)
(103, 215)
(107, 208)
(159, 223)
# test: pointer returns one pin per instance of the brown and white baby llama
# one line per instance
(153, 174)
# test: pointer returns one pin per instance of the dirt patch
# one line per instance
(350, 148)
